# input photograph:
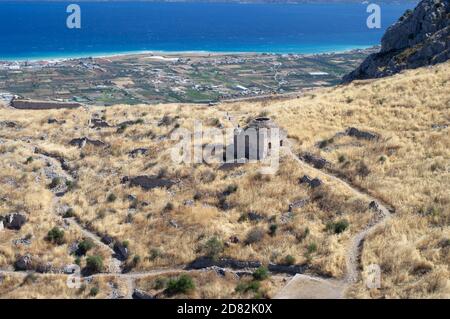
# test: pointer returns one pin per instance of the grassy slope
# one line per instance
(413, 176)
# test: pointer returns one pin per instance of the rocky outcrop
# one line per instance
(419, 38)
(139, 294)
(14, 221)
(148, 182)
(316, 161)
(205, 262)
(354, 132)
(83, 141)
(313, 183)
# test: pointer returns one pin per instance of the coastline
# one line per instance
(121, 54)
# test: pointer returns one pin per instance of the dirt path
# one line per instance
(329, 288)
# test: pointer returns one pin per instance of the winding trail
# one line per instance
(330, 288)
(304, 286)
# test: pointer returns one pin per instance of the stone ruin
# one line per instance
(256, 141)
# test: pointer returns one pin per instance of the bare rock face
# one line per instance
(419, 38)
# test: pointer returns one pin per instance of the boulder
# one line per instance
(138, 151)
(316, 161)
(83, 141)
(139, 294)
(287, 269)
(253, 216)
(313, 183)
(121, 252)
(98, 123)
(23, 263)
(14, 221)
(107, 240)
(354, 132)
(148, 182)
(298, 204)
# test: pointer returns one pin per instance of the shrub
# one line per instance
(56, 182)
(154, 254)
(255, 235)
(338, 227)
(56, 236)
(312, 248)
(69, 213)
(29, 160)
(261, 273)
(111, 198)
(182, 284)
(84, 246)
(169, 207)
(93, 292)
(342, 158)
(159, 283)
(230, 190)
(94, 264)
(248, 286)
(213, 248)
(289, 260)
(273, 229)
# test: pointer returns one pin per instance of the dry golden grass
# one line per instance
(408, 168)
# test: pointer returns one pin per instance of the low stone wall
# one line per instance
(42, 105)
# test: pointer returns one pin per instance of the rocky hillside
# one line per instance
(420, 37)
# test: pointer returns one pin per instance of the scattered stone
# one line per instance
(313, 183)
(206, 262)
(107, 240)
(229, 166)
(121, 252)
(52, 121)
(132, 198)
(188, 202)
(23, 263)
(44, 268)
(8, 124)
(298, 204)
(82, 142)
(148, 182)
(99, 123)
(70, 269)
(285, 269)
(234, 240)
(316, 161)
(139, 294)
(73, 248)
(253, 216)
(173, 223)
(139, 151)
(14, 221)
(219, 271)
(354, 132)
(130, 123)
(439, 127)
(26, 241)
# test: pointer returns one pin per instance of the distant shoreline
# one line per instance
(105, 55)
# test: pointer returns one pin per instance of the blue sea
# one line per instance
(38, 29)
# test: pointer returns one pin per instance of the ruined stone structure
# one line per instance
(256, 141)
